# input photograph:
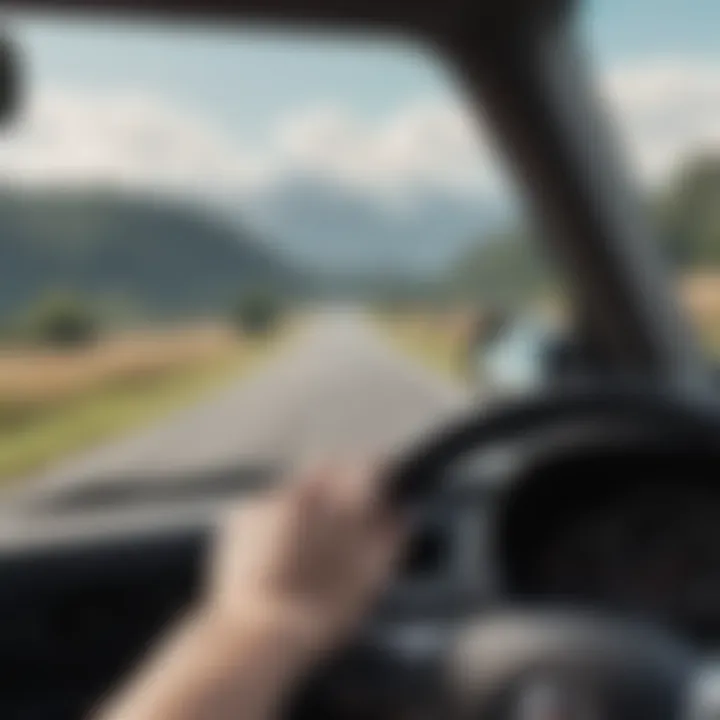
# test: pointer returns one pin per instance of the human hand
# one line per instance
(292, 573)
(308, 558)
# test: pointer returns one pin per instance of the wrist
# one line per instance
(284, 639)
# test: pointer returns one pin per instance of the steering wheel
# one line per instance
(510, 662)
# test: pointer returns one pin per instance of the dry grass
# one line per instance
(701, 297)
(32, 380)
(55, 403)
(58, 372)
(438, 340)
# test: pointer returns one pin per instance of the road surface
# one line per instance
(340, 387)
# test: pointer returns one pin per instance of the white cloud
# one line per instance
(132, 140)
(424, 145)
(125, 139)
(666, 108)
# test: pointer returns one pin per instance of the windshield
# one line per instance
(661, 80)
(221, 252)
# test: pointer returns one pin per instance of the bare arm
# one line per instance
(291, 576)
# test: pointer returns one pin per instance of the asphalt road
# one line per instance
(341, 387)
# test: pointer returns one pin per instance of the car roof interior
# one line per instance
(429, 18)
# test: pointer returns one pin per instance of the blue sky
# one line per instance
(359, 110)
(624, 30)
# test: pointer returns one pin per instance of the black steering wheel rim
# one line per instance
(633, 672)
(690, 419)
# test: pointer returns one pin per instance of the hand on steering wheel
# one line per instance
(302, 568)
(314, 553)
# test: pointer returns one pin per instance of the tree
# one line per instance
(688, 214)
(61, 320)
(503, 269)
(257, 312)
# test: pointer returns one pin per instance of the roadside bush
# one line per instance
(257, 313)
(62, 321)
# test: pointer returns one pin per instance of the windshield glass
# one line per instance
(661, 79)
(222, 251)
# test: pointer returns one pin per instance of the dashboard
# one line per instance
(633, 534)
(636, 533)
(88, 592)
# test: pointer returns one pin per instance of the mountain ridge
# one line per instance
(166, 257)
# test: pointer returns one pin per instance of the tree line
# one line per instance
(510, 266)
(65, 319)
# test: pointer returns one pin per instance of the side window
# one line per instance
(662, 81)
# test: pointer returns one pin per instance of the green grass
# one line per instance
(80, 423)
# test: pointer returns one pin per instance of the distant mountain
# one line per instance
(168, 258)
(171, 258)
(337, 230)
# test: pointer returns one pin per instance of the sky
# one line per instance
(627, 30)
(233, 112)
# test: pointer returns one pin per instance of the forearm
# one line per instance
(290, 577)
(207, 670)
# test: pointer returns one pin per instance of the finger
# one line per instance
(374, 567)
(384, 554)
(315, 507)
(357, 491)
(305, 490)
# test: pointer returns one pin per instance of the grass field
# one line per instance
(53, 404)
(701, 297)
(437, 340)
